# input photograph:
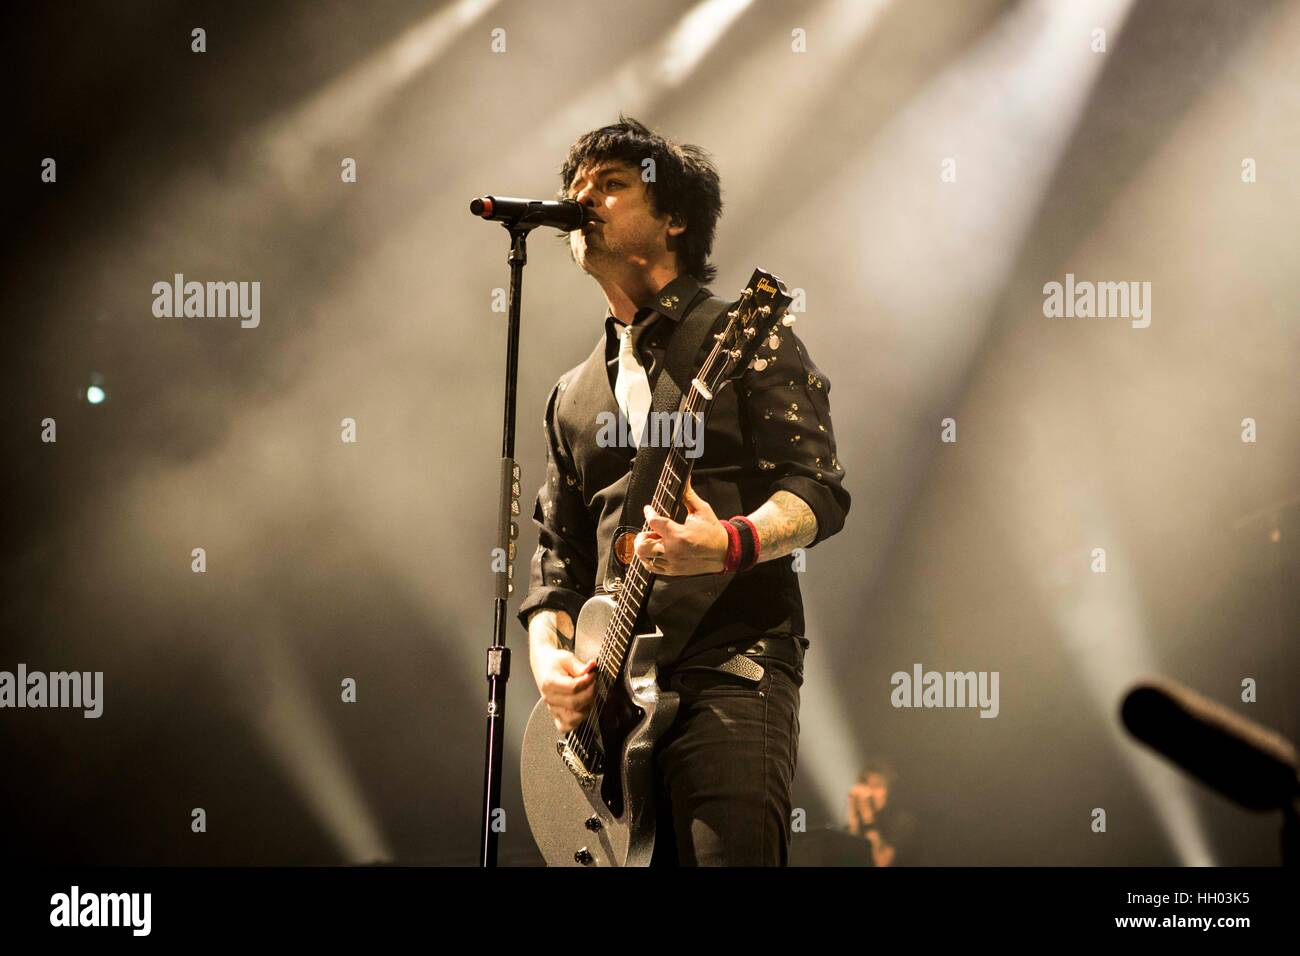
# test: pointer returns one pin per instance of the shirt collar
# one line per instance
(671, 301)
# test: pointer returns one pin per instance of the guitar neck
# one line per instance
(665, 500)
(749, 321)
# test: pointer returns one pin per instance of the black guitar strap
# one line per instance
(674, 381)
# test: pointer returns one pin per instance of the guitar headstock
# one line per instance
(751, 319)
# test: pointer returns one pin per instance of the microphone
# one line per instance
(1243, 760)
(565, 215)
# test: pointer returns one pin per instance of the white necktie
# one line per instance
(632, 388)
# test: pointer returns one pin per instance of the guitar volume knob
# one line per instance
(583, 856)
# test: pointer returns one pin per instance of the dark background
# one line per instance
(328, 560)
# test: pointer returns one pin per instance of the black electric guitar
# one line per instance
(588, 793)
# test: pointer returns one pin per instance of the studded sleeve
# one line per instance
(563, 568)
(787, 401)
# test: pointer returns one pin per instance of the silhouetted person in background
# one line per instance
(875, 816)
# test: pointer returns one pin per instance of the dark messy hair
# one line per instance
(685, 184)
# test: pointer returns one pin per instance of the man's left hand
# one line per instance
(697, 546)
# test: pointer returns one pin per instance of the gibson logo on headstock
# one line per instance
(765, 286)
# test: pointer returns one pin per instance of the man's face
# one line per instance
(628, 231)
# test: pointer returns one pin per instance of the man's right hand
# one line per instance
(566, 683)
(861, 812)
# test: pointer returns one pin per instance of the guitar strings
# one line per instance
(614, 646)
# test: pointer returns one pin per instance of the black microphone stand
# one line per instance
(498, 655)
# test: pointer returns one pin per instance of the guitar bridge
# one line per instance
(576, 765)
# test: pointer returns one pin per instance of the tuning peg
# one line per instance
(787, 320)
(758, 364)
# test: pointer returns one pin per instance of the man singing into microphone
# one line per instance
(724, 768)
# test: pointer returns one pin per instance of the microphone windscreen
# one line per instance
(1243, 760)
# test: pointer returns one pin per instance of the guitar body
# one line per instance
(606, 818)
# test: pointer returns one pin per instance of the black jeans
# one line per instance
(724, 769)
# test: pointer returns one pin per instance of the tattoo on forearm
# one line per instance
(784, 522)
(551, 630)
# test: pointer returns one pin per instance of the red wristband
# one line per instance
(732, 558)
(753, 534)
